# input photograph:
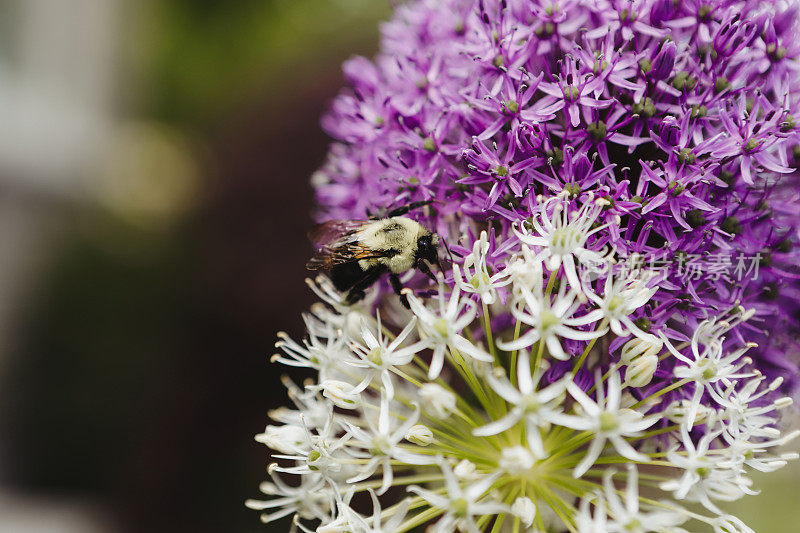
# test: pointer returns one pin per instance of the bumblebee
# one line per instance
(356, 253)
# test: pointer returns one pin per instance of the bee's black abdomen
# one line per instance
(346, 275)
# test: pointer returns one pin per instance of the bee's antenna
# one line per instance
(446, 247)
(402, 210)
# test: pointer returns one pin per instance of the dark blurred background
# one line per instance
(154, 201)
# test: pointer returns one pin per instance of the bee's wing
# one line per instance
(328, 257)
(337, 244)
(334, 232)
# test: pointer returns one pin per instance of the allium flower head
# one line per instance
(617, 334)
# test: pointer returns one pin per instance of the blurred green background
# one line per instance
(163, 251)
(154, 201)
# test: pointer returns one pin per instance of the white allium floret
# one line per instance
(311, 499)
(340, 393)
(641, 371)
(438, 401)
(538, 410)
(466, 470)
(709, 363)
(285, 439)
(607, 421)
(380, 443)
(461, 505)
(419, 434)
(380, 357)
(622, 296)
(645, 345)
(516, 459)
(591, 516)
(476, 278)
(562, 234)
(551, 321)
(525, 509)
(442, 328)
(629, 516)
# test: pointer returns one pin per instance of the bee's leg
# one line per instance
(425, 269)
(406, 208)
(397, 285)
(353, 296)
(356, 292)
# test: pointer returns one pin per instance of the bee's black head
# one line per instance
(427, 249)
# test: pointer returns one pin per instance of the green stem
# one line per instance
(550, 282)
(487, 330)
(539, 353)
(471, 380)
(588, 349)
(662, 392)
(512, 367)
(419, 519)
(404, 480)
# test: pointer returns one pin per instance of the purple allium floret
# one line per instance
(679, 113)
